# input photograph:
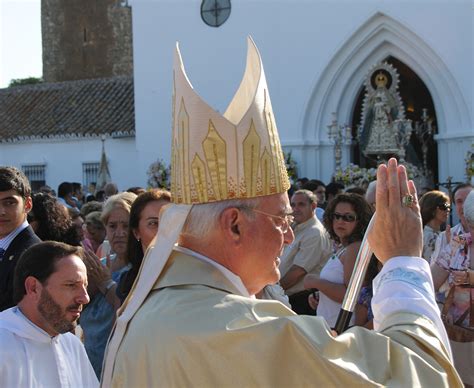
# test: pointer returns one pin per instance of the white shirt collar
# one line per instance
(232, 277)
(6, 241)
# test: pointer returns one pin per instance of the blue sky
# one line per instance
(20, 40)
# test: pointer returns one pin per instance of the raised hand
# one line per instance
(460, 277)
(97, 274)
(448, 233)
(397, 229)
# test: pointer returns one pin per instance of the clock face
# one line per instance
(215, 12)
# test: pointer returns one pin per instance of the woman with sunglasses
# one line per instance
(346, 219)
(435, 207)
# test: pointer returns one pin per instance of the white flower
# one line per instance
(159, 175)
(354, 175)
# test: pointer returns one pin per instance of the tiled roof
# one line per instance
(71, 109)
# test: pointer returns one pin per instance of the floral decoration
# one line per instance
(469, 160)
(414, 172)
(291, 167)
(354, 175)
(159, 175)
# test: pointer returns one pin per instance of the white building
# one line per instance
(54, 131)
(316, 55)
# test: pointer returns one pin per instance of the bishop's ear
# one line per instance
(230, 222)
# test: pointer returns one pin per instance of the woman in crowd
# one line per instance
(89, 207)
(144, 221)
(94, 231)
(455, 263)
(346, 218)
(99, 315)
(77, 222)
(435, 207)
(51, 220)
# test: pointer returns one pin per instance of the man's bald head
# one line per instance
(370, 193)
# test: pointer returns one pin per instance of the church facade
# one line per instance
(317, 57)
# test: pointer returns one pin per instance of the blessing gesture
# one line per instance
(397, 229)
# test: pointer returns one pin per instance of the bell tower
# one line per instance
(85, 39)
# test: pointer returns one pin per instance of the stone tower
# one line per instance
(84, 39)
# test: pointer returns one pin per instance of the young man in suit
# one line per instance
(16, 235)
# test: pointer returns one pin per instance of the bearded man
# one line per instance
(37, 346)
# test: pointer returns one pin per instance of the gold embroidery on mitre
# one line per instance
(231, 188)
(243, 189)
(200, 180)
(183, 151)
(174, 165)
(266, 169)
(175, 174)
(275, 182)
(259, 187)
(251, 156)
(281, 182)
(210, 192)
(215, 150)
(242, 162)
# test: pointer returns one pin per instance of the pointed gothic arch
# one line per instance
(340, 82)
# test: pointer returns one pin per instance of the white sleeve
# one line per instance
(405, 285)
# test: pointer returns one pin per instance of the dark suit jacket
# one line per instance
(25, 239)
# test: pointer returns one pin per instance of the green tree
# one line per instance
(25, 81)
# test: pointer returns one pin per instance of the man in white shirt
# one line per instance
(37, 346)
(306, 254)
(319, 189)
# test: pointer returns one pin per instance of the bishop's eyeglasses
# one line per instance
(281, 222)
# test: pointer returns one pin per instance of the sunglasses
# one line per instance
(444, 207)
(344, 217)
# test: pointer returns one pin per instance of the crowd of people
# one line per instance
(315, 268)
(447, 249)
(186, 288)
(109, 237)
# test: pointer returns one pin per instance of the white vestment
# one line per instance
(196, 329)
(30, 357)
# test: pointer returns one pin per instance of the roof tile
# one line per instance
(84, 108)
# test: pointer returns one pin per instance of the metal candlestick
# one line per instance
(340, 135)
(424, 133)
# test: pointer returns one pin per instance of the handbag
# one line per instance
(455, 331)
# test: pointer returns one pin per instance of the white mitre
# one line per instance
(214, 157)
(235, 155)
